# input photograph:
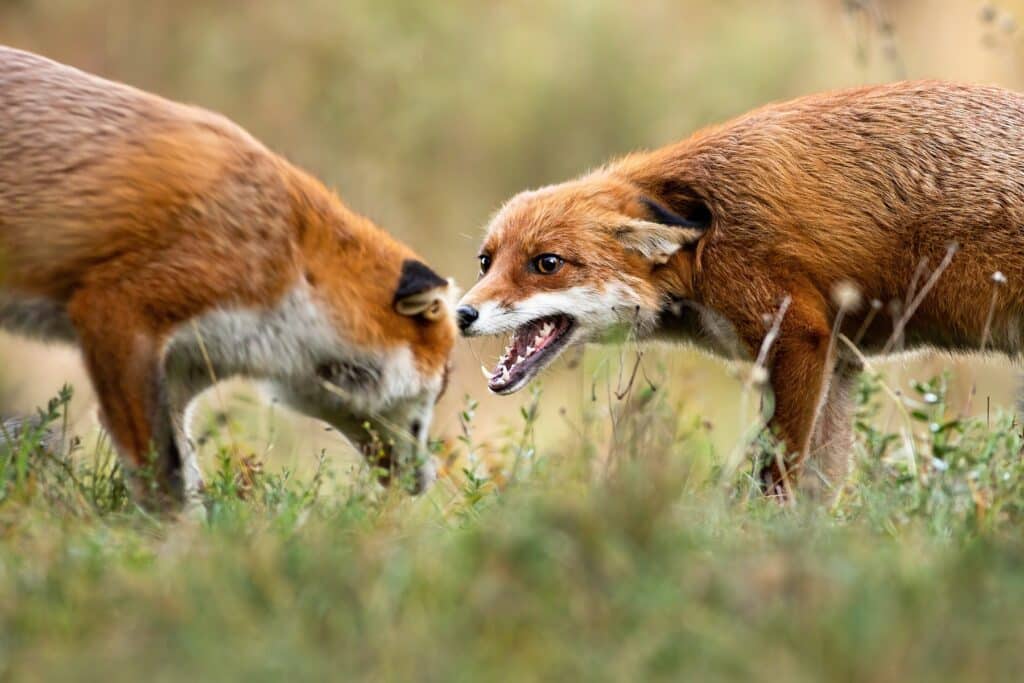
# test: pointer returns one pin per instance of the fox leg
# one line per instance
(832, 442)
(800, 367)
(123, 354)
(182, 392)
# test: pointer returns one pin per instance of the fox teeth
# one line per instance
(487, 373)
(505, 374)
(530, 349)
(546, 330)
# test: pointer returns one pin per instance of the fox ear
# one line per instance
(665, 233)
(420, 291)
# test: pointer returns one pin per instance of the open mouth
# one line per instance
(533, 346)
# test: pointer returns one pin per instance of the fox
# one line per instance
(806, 236)
(176, 251)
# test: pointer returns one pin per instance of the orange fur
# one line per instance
(860, 186)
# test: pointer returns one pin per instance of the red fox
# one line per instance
(910, 195)
(176, 250)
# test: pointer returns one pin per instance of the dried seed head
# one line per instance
(999, 278)
(846, 296)
(758, 376)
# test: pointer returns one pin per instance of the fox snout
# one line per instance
(465, 316)
(479, 313)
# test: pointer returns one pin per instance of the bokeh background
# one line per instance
(426, 115)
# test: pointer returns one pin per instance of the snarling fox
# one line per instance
(177, 251)
(909, 196)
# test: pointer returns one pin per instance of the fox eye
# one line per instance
(547, 264)
(485, 263)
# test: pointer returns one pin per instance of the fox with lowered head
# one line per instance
(176, 250)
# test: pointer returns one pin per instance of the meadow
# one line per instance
(596, 528)
(634, 557)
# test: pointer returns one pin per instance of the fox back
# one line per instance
(89, 169)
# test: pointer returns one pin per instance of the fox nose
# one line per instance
(466, 316)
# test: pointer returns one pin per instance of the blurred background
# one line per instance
(427, 115)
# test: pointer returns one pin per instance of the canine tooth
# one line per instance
(487, 373)
(505, 374)
(530, 349)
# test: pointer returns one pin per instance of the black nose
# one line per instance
(466, 315)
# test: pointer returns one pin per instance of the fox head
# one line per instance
(574, 263)
(376, 343)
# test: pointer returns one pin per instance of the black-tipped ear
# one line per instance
(700, 218)
(419, 290)
(664, 232)
(417, 278)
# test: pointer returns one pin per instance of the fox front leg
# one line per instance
(123, 354)
(831, 447)
(183, 389)
(800, 370)
(796, 353)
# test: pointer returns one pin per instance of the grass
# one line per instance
(632, 553)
